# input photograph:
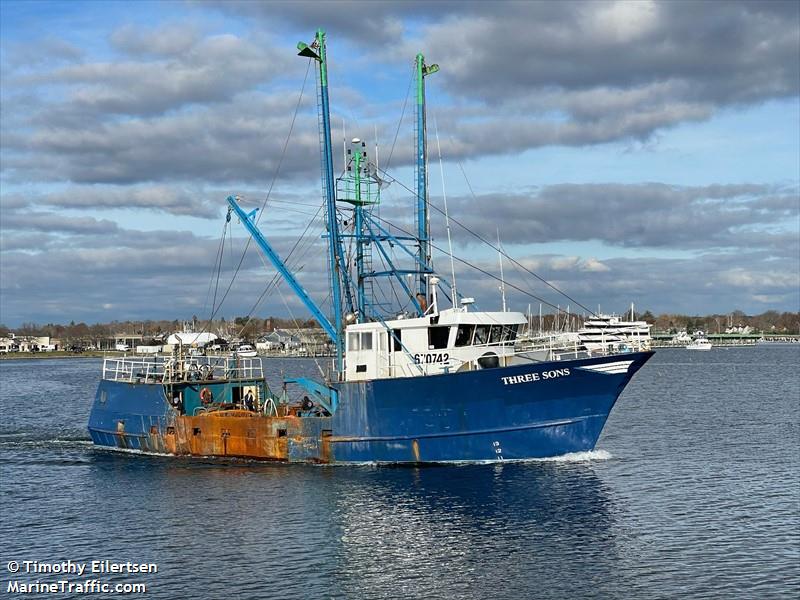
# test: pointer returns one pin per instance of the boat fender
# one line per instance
(206, 396)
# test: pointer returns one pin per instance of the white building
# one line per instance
(191, 339)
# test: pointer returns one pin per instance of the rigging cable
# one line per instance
(477, 268)
(488, 243)
(400, 122)
(276, 278)
(447, 217)
(272, 184)
(225, 232)
(216, 268)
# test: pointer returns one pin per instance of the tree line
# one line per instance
(239, 327)
(770, 321)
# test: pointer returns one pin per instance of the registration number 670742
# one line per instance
(427, 359)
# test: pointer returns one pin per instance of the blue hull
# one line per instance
(520, 412)
(481, 415)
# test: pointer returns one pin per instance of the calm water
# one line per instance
(693, 492)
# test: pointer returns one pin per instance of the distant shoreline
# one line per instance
(108, 354)
(55, 354)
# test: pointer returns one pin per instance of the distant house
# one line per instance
(8, 344)
(281, 338)
(33, 343)
(314, 340)
(268, 346)
(740, 330)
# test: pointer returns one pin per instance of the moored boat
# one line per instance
(699, 343)
(246, 351)
(420, 383)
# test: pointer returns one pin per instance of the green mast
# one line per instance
(423, 223)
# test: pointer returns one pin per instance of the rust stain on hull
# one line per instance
(415, 450)
(234, 433)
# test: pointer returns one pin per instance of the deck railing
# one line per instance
(165, 369)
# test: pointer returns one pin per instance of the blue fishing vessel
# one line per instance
(434, 380)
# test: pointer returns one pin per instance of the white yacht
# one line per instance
(699, 343)
(610, 332)
(682, 338)
(246, 351)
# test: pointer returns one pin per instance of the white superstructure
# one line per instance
(451, 340)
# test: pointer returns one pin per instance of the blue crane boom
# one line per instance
(249, 223)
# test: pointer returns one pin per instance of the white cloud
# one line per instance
(164, 116)
(592, 265)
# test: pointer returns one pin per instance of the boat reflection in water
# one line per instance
(444, 524)
(473, 531)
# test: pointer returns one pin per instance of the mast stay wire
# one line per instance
(266, 199)
(476, 267)
(297, 330)
(446, 215)
(497, 248)
(216, 270)
(400, 122)
(276, 278)
(491, 245)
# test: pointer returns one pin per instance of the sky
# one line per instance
(626, 152)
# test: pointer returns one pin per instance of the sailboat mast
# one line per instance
(502, 279)
(423, 218)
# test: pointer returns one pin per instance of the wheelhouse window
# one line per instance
(509, 333)
(481, 334)
(437, 337)
(352, 341)
(464, 335)
(512, 332)
(366, 340)
(495, 333)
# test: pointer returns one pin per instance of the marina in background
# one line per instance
(274, 337)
